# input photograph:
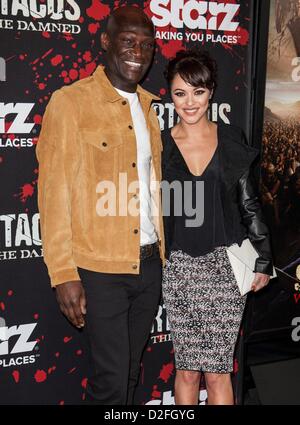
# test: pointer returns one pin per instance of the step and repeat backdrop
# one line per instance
(45, 44)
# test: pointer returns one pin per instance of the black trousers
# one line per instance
(120, 312)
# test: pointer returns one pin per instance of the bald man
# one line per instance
(99, 152)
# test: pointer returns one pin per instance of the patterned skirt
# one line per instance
(204, 308)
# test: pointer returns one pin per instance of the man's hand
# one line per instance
(260, 281)
(72, 302)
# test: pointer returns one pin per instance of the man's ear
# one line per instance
(104, 38)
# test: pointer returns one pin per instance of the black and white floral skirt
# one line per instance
(204, 308)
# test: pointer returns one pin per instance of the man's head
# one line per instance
(129, 45)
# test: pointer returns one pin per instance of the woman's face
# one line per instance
(191, 103)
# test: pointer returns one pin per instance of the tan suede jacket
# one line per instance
(87, 137)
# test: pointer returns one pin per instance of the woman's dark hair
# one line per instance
(195, 67)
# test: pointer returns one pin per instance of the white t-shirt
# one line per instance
(144, 158)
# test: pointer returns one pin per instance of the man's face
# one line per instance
(129, 54)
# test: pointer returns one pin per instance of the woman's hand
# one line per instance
(260, 281)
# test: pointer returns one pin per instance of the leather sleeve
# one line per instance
(253, 219)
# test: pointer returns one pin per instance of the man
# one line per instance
(106, 263)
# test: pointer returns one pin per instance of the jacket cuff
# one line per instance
(264, 266)
(63, 276)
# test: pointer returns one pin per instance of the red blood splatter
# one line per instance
(57, 354)
(67, 80)
(98, 10)
(7, 125)
(27, 91)
(37, 119)
(68, 36)
(40, 376)
(21, 57)
(166, 372)
(149, 349)
(36, 170)
(1, 159)
(27, 190)
(2, 306)
(79, 352)
(169, 49)
(42, 86)
(84, 383)
(74, 45)
(81, 19)
(45, 34)
(47, 53)
(51, 369)
(73, 74)
(72, 370)
(56, 60)
(87, 56)
(89, 68)
(36, 316)
(61, 403)
(75, 65)
(93, 28)
(64, 73)
(10, 293)
(16, 376)
(244, 36)
(162, 92)
(67, 339)
(155, 393)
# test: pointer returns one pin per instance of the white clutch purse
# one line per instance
(242, 259)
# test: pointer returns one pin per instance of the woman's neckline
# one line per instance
(209, 162)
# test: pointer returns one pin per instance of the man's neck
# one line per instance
(118, 84)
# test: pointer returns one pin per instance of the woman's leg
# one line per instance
(187, 386)
(219, 388)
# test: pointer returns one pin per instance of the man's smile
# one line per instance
(136, 65)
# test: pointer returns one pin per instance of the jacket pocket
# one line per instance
(102, 153)
(104, 142)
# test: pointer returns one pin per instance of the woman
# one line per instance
(202, 299)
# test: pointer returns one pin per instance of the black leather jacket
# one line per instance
(242, 211)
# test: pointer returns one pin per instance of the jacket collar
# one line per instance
(110, 94)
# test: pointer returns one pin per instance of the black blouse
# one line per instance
(200, 232)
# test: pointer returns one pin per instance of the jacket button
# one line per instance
(133, 164)
(104, 144)
(135, 231)
(124, 102)
(134, 266)
(130, 127)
